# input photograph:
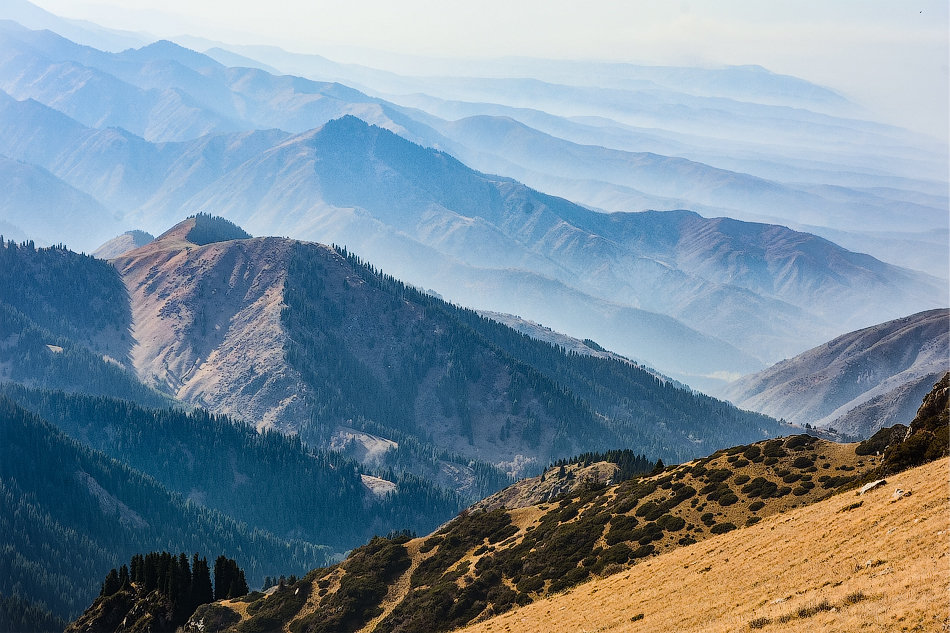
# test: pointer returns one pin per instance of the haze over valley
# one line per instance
(276, 305)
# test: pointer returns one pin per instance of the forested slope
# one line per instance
(70, 513)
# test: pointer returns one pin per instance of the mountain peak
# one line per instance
(202, 229)
(207, 229)
(166, 50)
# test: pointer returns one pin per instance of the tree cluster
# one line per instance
(183, 585)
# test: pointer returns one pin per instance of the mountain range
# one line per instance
(270, 161)
(437, 403)
(489, 291)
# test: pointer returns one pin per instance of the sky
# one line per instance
(891, 56)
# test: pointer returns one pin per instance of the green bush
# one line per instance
(760, 487)
(671, 523)
(728, 499)
(752, 453)
(802, 462)
(621, 529)
(531, 584)
(718, 475)
(773, 449)
(617, 554)
(798, 442)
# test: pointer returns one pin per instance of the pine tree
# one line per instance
(181, 598)
(222, 577)
(238, 586)
(201, 590)
(111, 584)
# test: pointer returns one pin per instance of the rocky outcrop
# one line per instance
(126, 611)
(924, 441)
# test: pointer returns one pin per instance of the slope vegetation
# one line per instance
(488, 561)
(877, 562)
(858, 382)
(266, 480)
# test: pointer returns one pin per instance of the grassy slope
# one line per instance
(551, 546)
(778, 568)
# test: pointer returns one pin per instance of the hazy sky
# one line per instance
(889, 55)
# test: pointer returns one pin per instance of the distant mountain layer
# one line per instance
(700, 298)
(762, 288)
(856, 383)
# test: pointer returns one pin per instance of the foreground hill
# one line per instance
(594, 516)
(487, 561)
(858, 382)
(877, 562)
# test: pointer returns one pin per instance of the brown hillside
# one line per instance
(206, 321)
(487, 562)
(850, 563)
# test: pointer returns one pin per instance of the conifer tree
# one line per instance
(201, 590)
(222, 577)
(238, 586)
(111, 584)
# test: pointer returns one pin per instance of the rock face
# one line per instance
(125, 611)
(927, 439)
(858, 382)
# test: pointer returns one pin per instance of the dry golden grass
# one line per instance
(817, 461)
(399, 589)
(881, 566)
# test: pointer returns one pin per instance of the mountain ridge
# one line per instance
(849, 381)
